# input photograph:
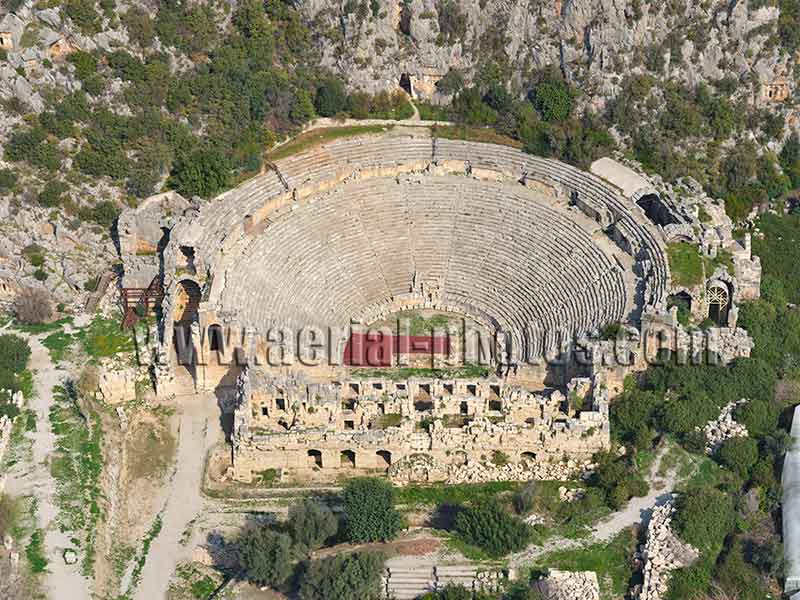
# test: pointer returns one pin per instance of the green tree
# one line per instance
(266, 556)
(14, 353)
(355, 576)
(311, 524)
(8, 179)
(302, 107)
(703, 517)
(51, 194)
(739, 454)
(331, 98)
(553, 100)
(203, 173)
(370, 515)
(491, 528)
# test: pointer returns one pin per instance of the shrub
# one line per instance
(302, 107)
(311, 524)
(758, 416)
(355, 576)
(739, 454)
(492, 529)
(84, 15)
(617, 478)
(8, 179)
(704, 516)
(14, 353)
(33, 306)
(370, 515)
(103, 213)
(203, 173)
(51, 194)
(331, 98)
(553, 99)
(266, 556)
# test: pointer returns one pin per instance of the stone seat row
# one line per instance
(350, 263)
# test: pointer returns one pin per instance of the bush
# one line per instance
(302, 107)
(14, 353)
(84, 15)
(203, 173)
(553, 99)
(703, 517)
(370, 515)
(355, 576)
(33, 306)
(489, 527)
(266, 556)
(331, 98)
(103, 213)
(311, 524)
(8, 179)
(617, 478)
(453, 592)
(739, 454)
(51, 194)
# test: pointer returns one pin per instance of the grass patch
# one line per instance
(309, 139)
(76, 467)
(685, 264)
(453, 494)
(420, 325)
(611, 561)
(474, 134)
(465, 372)
(58, 345)
(37, 328)
(433, 112)
(34, 551)
(151, 534)
(105, 338)
(722, 259)
(193, 582)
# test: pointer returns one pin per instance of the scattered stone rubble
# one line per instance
(475, 472)
(566, 494)
(569, 585)
(661, 554)
(6, 425)
(723, 427)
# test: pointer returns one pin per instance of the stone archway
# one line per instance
(384, 458)
(187, 301)
(314, 458)
(347, 459)
(682, 301)
(216, 339)
(405, 84)
(719, 302)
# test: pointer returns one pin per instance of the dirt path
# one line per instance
(636, 511)
(199, 430)
(34, 479)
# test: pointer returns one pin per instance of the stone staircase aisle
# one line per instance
(408, 583)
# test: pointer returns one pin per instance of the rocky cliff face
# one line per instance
(595, 43)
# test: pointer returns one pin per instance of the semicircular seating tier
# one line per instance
(347, 231)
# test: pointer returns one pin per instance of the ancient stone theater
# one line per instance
(429, 308)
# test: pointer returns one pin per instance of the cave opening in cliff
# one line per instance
(405, 83)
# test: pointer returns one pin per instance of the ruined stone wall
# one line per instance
(286, 423)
